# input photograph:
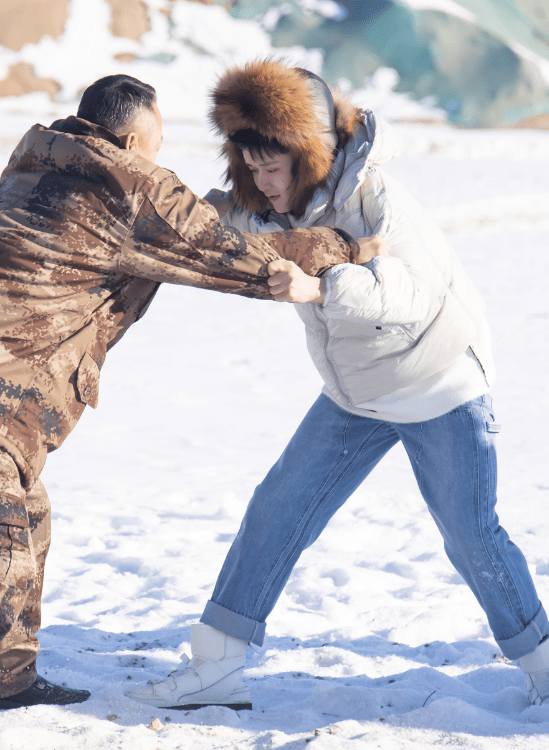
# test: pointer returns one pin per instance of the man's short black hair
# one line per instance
(114, 101)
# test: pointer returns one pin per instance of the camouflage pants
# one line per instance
(24, 543)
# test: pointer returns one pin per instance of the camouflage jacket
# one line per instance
(88, 230)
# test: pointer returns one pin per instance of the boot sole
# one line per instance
(6, 704)
(194, 706)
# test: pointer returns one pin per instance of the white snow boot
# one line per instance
(213, 677)
(536, 669)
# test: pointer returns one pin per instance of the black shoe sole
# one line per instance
(44, 693)
(6, 704)
(194, 706)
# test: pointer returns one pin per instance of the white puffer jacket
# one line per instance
(401, 319)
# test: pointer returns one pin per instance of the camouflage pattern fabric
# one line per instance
(24, 543)
(88, 230)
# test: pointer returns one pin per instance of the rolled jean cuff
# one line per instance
(526, 641)
(231, 623)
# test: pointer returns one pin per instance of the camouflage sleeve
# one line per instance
(177, 237)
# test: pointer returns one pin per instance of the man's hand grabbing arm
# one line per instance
(288, 283)
(369, 247)
(176, 237)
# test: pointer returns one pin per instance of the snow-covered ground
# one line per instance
(376, 641)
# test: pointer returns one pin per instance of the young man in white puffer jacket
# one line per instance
(404, 350)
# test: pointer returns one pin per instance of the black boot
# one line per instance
(43, 691)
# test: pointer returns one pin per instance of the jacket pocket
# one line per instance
(18, 571)
(15, 560)
(87, 381)
(13, 511)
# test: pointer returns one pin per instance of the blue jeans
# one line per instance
(330, 455)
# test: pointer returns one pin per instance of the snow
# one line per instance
(376, 641)
(451, 7)
(326, 8)
(181, 56)
(542, 63)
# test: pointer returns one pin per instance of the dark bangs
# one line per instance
(257, 144)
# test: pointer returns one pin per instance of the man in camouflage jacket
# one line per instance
(89, 227)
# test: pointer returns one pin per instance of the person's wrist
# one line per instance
(321, 290)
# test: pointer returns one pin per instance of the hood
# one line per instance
(372, 143)
(291, 105)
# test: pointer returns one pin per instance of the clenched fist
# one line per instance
(288, 283)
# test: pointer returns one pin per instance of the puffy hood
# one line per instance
(372, 143)
(291, 105)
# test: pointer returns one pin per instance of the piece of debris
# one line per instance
(112, 717)
(155, 725)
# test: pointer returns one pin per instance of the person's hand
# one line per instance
(370, 247)
(220, 200)
(288, 283)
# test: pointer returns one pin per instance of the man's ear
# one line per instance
(129, 141)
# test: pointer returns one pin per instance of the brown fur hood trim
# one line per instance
(282, 103)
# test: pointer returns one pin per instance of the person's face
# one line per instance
(273, 176)
(145, 134)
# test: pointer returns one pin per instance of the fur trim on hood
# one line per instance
(290, 105)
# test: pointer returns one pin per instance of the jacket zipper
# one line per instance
(331, 367)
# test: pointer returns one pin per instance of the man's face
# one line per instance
(273, 176)
(144, 134)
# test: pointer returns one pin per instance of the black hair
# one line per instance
(257, 144)
(115, 100)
